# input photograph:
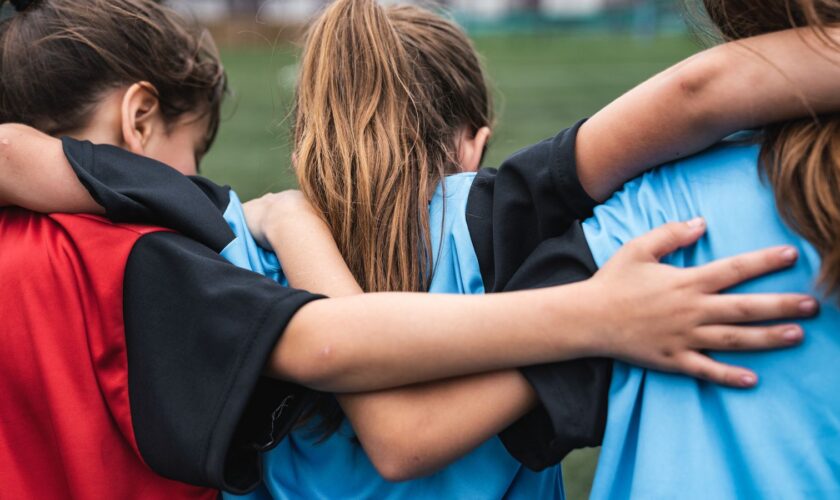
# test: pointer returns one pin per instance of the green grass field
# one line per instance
(543, 83)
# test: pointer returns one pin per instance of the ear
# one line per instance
(140, 116)
(471, 148)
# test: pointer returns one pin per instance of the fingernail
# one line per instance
(808, 306)
(790, 254)
(748, 380)
(792, 335)
(696, 222)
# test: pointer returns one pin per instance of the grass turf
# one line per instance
(543, 83)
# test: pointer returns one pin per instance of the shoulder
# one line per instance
(718, 179)
(456, 268)
(243, 251)
(454, 189)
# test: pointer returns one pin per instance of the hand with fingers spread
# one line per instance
(664, 317)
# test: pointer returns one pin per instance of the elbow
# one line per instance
(398, 472)
(400, 463)
(694, 86)
(398, 451)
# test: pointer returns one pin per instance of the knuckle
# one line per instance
(731, 339)
(637, 244)
(739, 269)
(694, 315)
(703, 373)
(744, 308)
(672, 235)
(791, 305)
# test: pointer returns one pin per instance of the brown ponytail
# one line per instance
(801, 158)
(802, 161)
(382, 92)
(381, 96)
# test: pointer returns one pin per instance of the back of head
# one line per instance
(381, 96)
(59, 57)
(800, 158)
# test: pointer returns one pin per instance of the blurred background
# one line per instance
(551, 62)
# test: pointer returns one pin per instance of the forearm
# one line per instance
(379, 341)
(689, 107)
(634, 309)
(408, 431)
(311, 260)
(36, 175)
(415, 431)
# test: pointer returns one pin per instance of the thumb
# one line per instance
(668, 238)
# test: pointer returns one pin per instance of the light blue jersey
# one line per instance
(301, 468)
(671, 436)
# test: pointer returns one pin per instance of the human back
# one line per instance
(311, 464)
(376, 147)
(672, 436)
(668, 436)
(69, 432)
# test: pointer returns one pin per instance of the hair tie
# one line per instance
(21, 5)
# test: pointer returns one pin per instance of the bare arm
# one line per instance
(731, 87)
(634, 309)
(728, 88)
(36, 175)
(408, 431)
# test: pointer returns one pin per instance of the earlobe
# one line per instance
(140, 114)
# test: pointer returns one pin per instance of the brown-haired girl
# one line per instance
(667, 437)
(375, 139)
(457, 335)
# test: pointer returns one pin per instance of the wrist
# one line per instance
(573, 318)
(598, 315)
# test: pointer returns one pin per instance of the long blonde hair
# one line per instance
(800, 158)
(381, 96)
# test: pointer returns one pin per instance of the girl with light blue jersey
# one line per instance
(668, 436)
(481, 229)
(507, 215)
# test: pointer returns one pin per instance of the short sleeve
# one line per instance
(535, 195)
(523, 222)
(136, 189)
(573, 395)
(199, 332)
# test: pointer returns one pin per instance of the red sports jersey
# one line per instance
(65, 421)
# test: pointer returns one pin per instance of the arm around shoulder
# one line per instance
(35, 174)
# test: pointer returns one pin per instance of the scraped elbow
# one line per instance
(696, 83)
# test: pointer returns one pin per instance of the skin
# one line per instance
(731, 87)
(413, 431)
(381, 341)
(353, 344)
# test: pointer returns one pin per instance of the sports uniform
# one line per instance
(494, 221)
(671, 436)
(132, 358)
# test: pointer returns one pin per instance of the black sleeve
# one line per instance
(136, 189)
(573, 395)
(522, 220)
(533, 196)
(198, 333)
